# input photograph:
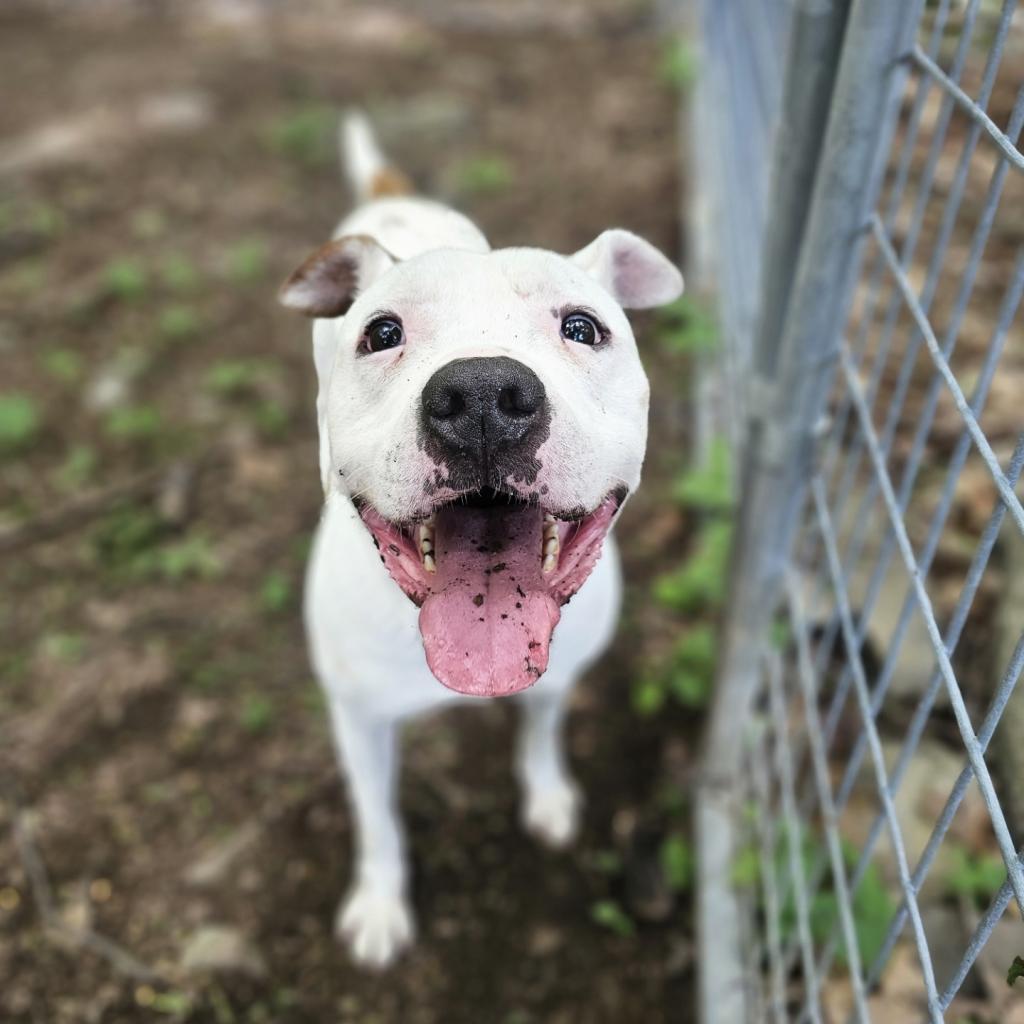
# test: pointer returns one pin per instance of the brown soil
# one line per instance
(156, 698)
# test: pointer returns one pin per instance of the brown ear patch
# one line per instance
(328, 280)
(390, 182)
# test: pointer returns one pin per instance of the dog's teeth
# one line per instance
(550, 530)
(426, 539)
(429, 564)
(549, 563)
(549, 518)
(551, 546)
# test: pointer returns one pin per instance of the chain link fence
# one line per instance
(858, 213)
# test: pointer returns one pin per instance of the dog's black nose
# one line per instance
(478, 407)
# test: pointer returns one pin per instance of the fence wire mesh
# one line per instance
(860, 810)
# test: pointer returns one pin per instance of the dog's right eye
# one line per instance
(383, 334)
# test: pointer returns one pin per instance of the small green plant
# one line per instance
(305, 135)
(648, 696)
(872, 905)
(746, 868)
(700, 582)
(77, 468)
(605, 862)
(687, 326)
(610, 915)
(484, 173)
(678, 67)
(19, 421)
(677, 862)
(125, 535)
(276, 591)
(66, 647)
(975, 877)
(257, 713)
(686, 674)
(179, 274)
(173, 1003)
(272, 418)
(178, 322)
(245, 262)
(692, 667)
(46, 220)
(133, 423)
(63, 364)
(126, 279)
(708, 487)
(191, 557)
(233, 377)
(1016, 971)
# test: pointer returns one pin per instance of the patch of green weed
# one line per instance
(686, 326)
(126, 279)
(1016, 971)
(63, 364)
(191, 557)
(178, 322)
(19, 421)
(678, 67)
(610, 915)
(126, 534)
(233, 377)
(677, 862)
(63, 646)
(977, 877)
(133, 423)
(257, 713)
(486, 173)
(708, 487)
(276, 591)
(179, 274)
(271, 418)
(245, 262)
(46, 219)
(77, 468)
(305, 136)
(700, 583)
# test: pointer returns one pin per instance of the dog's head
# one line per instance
(487, 415)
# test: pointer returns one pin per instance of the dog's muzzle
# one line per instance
(481, 412)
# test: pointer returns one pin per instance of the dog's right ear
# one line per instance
(327, 282)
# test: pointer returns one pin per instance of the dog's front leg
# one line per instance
(375, 919)
(551, 799)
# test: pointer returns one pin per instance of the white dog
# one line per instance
(482, 417)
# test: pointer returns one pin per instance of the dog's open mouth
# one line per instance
(490, 573)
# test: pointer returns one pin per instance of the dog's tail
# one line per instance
(368, 170)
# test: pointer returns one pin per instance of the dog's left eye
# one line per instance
(581, 329)
(383, 334)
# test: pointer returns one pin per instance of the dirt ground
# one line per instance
(165, 754)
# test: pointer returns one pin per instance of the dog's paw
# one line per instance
(375, 924)
(552, 814)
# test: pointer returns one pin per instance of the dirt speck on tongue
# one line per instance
(488, 619)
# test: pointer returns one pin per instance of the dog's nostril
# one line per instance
(446, 404)
(510, 402)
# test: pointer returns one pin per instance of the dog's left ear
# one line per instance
(637, 274)
(327, 282)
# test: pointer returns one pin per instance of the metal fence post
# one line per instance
(798, 357)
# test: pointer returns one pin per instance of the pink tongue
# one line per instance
(488, 620)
